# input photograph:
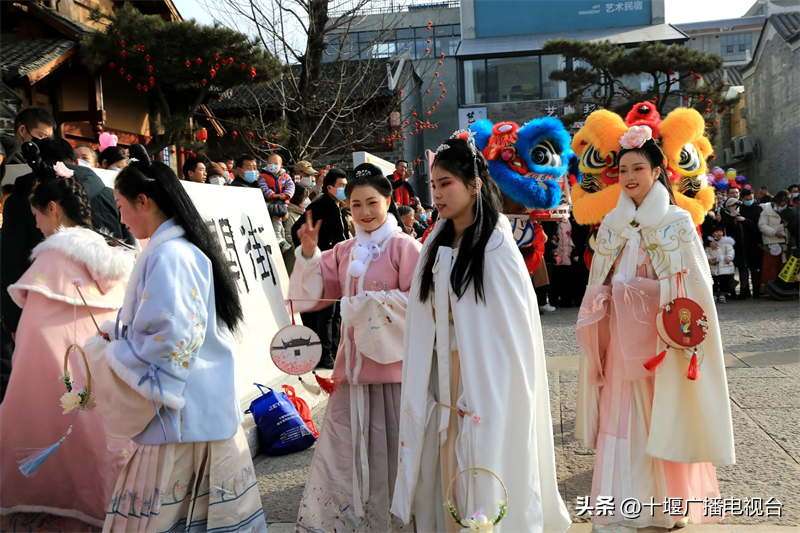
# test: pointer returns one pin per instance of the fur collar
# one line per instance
(380, 235)
(166, 232)
(90, 249)
(727, 240)
(649, 215)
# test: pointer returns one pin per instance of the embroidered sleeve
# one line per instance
(168, 328)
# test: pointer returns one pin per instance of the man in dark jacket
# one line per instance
(733, 222)
(20, 235)
(245, 172)
(750, 210)
(335, 229)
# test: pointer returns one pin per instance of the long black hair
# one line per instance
(111, 155)
(159, 183)
(369, 175)
(655, 157)
(463, 161)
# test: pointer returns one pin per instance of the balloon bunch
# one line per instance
(717, 179)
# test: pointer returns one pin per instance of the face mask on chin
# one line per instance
(82, 163)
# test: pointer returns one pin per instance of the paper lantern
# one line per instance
(202, 134)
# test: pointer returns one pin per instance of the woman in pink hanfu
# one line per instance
(658, 417)
(353, 473)
(71, 490)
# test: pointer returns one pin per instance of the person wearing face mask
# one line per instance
(297, 208)
(305, 174)
(328, 208)
(733, 224)
(750, 210)
(29, 124)
(275, 182)
(773, 235)
(245, 172)
(87, 157)
(216, 174)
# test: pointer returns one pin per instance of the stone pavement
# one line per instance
(761, 340)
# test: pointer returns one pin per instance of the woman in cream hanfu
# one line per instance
(171, 348)
(474, 345)
(71, 489)
(657, 435)
(350, 485)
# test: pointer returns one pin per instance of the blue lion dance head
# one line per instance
(529, 162)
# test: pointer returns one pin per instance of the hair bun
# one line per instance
(365, 170)
(138, 153)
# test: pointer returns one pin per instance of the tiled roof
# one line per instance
(729, 75)
(787, 25)
(249, 96)
(20, 58)
(76, 26)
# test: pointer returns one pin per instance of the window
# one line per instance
(553, 90)
(475, 81)
(447, 39)
(421, 42)
(513, 79)
(736, 46)
(405, 41)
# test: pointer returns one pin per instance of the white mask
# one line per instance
(217, 180)
(306, 181)
(82, 163)
(305, 203)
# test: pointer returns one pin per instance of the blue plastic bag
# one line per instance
(279, 424)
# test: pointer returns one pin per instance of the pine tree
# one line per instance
(600, 70)
(180, 64)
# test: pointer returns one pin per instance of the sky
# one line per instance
(677, 11)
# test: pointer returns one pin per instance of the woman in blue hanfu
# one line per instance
(171, 348)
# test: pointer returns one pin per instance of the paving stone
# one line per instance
(759, 393)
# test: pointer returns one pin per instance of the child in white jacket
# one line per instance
(720, 260)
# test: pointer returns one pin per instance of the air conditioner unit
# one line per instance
(727, 156)
(735, 148)
(746, 147)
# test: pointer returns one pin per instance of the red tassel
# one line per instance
(654, 362)
(693, 373)
(328, 385)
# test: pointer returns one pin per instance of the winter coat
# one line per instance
(717, 258)
(770, 223)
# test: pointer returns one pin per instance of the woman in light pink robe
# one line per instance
(72, 489)
(353, 472)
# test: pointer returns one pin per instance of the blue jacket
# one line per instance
(170, 347)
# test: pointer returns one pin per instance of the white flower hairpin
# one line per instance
(635, 137)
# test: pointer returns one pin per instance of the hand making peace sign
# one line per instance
(309, 235)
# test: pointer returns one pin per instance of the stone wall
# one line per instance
(772, 86)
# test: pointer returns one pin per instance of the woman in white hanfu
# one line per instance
(657, 436)
(473, 345)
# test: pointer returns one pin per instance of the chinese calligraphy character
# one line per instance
(604, 506)
(471, 117)
(712, 507)
(609, 8)
(586, 109)
(551, 110)
(773, 507)
(619, 6)
(255, 248)
(233, 254)
(733, 506)
(584, 506)
(637, 6)
(628, 6)
(568, 109)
